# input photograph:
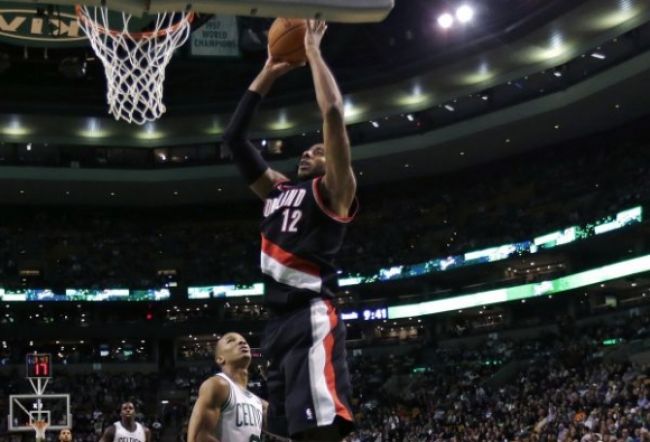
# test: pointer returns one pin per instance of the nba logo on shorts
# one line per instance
(309, 414)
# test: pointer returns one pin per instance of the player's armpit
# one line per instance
(264, 184)
(213, 395)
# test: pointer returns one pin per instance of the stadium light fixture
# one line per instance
(282, 123)
(15, 128)
(150, 133)
(352, 111)
(216, 128)
(465, 14)
(446, 20)
(93, 129)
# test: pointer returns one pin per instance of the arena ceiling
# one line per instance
(405, 64)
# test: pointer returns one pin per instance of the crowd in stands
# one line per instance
(490, 204)
(556, 388)
(563, 384)
(84, 351)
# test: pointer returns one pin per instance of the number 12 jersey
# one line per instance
(300, 238)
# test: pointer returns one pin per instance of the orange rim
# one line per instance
(81, 15)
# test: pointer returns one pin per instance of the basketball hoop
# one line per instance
(40, 427)
(134, 62)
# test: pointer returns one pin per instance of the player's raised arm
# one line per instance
(252, 166)
(213, 394)
(339, 182)
(109, 434)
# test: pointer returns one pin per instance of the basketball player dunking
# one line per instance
(302, 230)
(225, 410)
(126, 429)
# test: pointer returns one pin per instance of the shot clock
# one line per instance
(39, 366)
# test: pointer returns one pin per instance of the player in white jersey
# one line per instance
(126, 429)
(225, 410)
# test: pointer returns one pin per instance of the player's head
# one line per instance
(232, 349)
(127, 412)
(65, 435)
(312, 162)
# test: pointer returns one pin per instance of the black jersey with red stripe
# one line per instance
(300, 238)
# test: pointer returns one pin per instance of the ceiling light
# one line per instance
(446, 20)
(150, 133)
(14, 128)
(449, 107)
(374, 124)
(93, 129)
(556, 47)
(282, 123)
(598, 55)
(465, 14)
(410, 117)
(350, 111)
(557, 73)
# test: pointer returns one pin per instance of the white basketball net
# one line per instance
(135, 63)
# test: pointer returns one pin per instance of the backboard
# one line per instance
(26, 408)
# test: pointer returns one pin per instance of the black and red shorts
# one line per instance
(308, 380)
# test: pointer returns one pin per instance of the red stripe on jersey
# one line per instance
(330, 377)
(289, 259)
(321, 204)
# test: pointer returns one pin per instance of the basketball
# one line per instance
(287, 40)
